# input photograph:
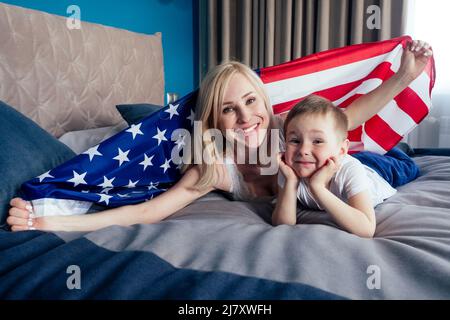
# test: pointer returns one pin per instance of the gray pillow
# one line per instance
(134, 113)
(26, 151)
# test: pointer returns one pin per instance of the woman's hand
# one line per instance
(287, 171)
(21, 216)
(414, 59)
(322, 177)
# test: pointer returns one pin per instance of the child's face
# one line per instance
(244, 112)
(310, 141)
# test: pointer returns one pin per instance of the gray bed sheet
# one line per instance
(409, 257)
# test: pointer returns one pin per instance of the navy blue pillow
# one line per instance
(134, 113)
(26, 151)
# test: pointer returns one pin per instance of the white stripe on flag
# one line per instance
(371, 145)
(397, 61)
(356, 146)
(64, 207)
(297, 87)
(421, 87)
(363, 88)
(397, 119)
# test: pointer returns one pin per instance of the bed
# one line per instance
(214, 248)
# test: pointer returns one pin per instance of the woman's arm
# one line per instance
(414, 59)
(155, 210)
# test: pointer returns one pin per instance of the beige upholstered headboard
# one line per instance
(69, 80)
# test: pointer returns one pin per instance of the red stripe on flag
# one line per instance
(338, 92)
(349, 101)
(431, 71)
(380, 132)
(329, 59)
(412, 104)
(382, 71)
(285, 106)
(355, 135)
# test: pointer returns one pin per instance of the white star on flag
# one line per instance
(92, 152)
(153, 185)
(45, 175)
(104, 197)
(132, 184)
(149, 198)
(191, 117)
(77, 178)
(106, 190)
(135, 130)
(180, 141)
(123, 195)
(172, 110)
(160, 135)
(147, 161)
(106, 182)
(166, 165)
(122, 156)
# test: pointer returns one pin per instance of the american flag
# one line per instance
(342, 75)
(130, 167)
(135, 165)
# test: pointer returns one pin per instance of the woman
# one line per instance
(232, 99)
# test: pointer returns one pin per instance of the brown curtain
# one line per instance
(262, 33)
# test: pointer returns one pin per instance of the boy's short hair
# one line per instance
(316, 105)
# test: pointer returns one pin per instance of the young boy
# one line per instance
(318, 172)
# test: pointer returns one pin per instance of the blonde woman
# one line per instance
(232, 99)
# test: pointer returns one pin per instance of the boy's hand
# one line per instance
(414, 59)
(287, 171)
(322, 177)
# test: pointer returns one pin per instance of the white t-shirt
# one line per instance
(352, 178)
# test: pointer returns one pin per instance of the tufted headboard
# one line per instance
(69, 80)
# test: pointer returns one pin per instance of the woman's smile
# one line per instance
(247, 131)
(244, 112)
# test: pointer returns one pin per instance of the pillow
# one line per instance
(134, 113)
(26, 151)
(81, 140)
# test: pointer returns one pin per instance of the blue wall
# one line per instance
(174, 18)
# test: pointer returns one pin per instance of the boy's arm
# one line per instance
(152, 211)
(357, 217)
(286, 208)
(414, 59)
(368, 105)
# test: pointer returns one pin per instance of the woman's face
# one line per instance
(243, 113)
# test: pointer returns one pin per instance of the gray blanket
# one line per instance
(409, 257)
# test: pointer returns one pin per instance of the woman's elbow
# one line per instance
(144, 213)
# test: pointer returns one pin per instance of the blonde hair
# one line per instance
(209, 108)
